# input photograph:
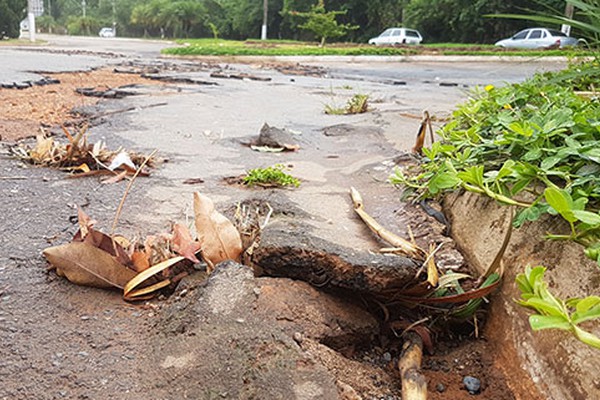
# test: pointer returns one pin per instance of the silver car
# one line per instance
(393, 36)
(537, 38)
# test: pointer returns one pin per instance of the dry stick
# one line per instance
(414, 385)
(403, 245)
(120, 208)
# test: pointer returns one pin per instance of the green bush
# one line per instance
(534, 145)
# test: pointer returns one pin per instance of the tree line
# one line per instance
(461, 21)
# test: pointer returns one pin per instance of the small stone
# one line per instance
(85, 317)
(298, 337)
(472, 384)
(183, 293)
(387, 357)
(440, 387)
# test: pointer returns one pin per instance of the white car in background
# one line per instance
(393, 36)
(106, 32)
(538, 38)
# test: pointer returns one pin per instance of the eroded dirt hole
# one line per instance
(453, 349)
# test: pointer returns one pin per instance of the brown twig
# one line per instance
(414, 385)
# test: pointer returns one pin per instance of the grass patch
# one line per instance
(212, 47)
(220, 47)
(274, 176)
(21, 42)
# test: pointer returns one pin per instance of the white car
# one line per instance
(538, 38)
(106, 32)
(393, 36)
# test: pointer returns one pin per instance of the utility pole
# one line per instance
(114, 22)
(263, 31)
(83, 7)
(569, 9)
(31, 20)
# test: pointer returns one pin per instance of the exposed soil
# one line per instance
(98, 346)
(24, 111)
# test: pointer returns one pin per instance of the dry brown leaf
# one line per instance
(85, 222)
(140, 261)
(219, 238)
(104, 242)
(183, 244)
(87, 265)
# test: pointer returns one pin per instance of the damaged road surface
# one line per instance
(303, 317)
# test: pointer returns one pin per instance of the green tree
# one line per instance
(322, 23)
(45, 23)
(83, 25)
(11, 14)
(465, 21)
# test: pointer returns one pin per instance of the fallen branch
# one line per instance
(414, 385)
(402, 245)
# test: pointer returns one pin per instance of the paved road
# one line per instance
(62, 341)
(65, 53)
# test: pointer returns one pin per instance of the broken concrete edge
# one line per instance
(551, 363)
(291, 251)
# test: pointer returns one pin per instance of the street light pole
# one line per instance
(263, 31)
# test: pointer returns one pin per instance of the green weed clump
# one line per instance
(270, 176)
(357, 104)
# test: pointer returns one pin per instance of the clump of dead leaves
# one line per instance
(141, 268)
(81, 158)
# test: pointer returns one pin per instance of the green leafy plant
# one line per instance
(553, 313)
(270, 176)
(534, 145)
(357, 104)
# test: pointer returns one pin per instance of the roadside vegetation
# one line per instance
(221, 47)
(534, 146)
